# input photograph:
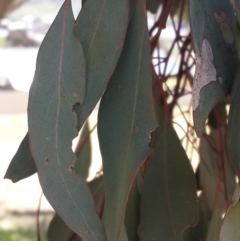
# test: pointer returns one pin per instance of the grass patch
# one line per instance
(20, 235)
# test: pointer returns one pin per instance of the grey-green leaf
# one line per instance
(234, 127)
(83, 162)
(22, 164)
(59, 231)
(101, 26)
(126, 118)
(132, 215)
(230, 230)
(153, 5)
(236, 7)
(215, 225)
(94, 29)
(213, 158)
(199, 232)
(213, 33)
(59, 83)
(168, 193)
(97, 188)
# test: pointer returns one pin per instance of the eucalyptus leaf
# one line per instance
(132, 215)
(236, 7)
(99, 23)
(125, 120)
(234, 127)
(211, 165)
(101, 27)
(59, 231)
(168, 192)
(230, 230)
(97, 189)
(215, 225)
(199, 232)
(214, 36)
(22, 164)
(153, 5)
(58, 85)
(83, 162)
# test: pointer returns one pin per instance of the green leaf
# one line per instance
(124, 236)
(97, 189)
(153, 5)
(83, 1)
(94, 29)
(213, 34)
(101, 26)
(83, 162)
(168, 193)
(59, 83)
(22, 164)
(230, 230)
(132, 215)
(234, 127)
(125, 120)
(236, 7)
(215, 225)
(211, 165)
(199, 232)
(59, 231)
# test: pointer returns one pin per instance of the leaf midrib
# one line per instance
(68, 4)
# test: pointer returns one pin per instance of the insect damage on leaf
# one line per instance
(205, 71)
(46, 161)
(71, 169)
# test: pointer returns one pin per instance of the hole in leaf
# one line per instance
(46, 161)
(75, 106)
(71, 168)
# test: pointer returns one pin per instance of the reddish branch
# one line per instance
(160, 23)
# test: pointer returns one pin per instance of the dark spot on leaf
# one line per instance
(71, 169)
(64, 96)
(46, 161)
(221, 18)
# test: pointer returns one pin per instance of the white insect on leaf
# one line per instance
(205, 71)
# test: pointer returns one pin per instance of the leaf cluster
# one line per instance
(147, 189)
